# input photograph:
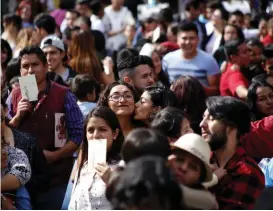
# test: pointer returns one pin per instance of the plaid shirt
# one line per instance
(242, 185)
(258, 143)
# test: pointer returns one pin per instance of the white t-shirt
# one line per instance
(97, 24)
(213, 43)
(118, 21)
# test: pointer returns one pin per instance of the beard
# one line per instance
(218, 140)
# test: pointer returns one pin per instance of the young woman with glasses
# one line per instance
(121, 97)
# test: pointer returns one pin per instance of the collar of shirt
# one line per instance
(46, 90)
(232, 163)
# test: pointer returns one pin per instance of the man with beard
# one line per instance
(225, 121)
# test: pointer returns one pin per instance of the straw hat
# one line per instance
(197, 146)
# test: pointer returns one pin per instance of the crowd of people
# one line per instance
(184, 101)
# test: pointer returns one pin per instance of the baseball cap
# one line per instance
(52, 41)
(198, 147)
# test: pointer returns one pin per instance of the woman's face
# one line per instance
(263, 27)
(26, 12)
(97, 128)
(216, 18)
(121, 101)
(144, 107)
(230, 33)
(186, 167)
(157, 62)
(264, 101)
(186, 127)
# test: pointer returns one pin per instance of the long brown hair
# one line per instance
(25, 38)
(83, 55)
(111, 119)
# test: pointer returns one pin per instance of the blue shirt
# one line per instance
(201, 66)
(266, 166)
(86, 107)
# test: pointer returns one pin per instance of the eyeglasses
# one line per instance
(117, 97)
(2, 119)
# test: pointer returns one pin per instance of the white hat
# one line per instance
(52, 40)
(197, 146)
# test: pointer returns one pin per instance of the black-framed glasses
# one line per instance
(117, 97)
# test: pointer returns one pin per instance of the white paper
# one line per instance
(96, 152)
(156, 34)
(29, 88)
(60, 130)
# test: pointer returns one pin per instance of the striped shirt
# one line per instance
(201, 66)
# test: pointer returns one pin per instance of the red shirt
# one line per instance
(230, 80)
(242, 185)
(258, 143)
(267, 40)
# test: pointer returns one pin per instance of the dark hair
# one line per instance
(83, 2)
(125, 53)
(174, 28)
(149, 61)
(3, 103)
(14, 19)
(105, 94)
(239, 31)
(237, 13)
(145, 183)
(96, 6)
(129, 64)
(67, 4)
(83, 85)
(215, 4)
(192, 3)
(13, 69)
(191, 97)
(33, 50)
(224, 13)
(45, 22)
(231, 47)
(255, 42)
(168, 121)
(111, 119)
(230, 111)
(162, 96)
(187, 26)
(268, 51)
(165, 15)
(145, 141)
(258, 81)
(5, 47)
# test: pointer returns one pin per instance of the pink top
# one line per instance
(59, 15)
